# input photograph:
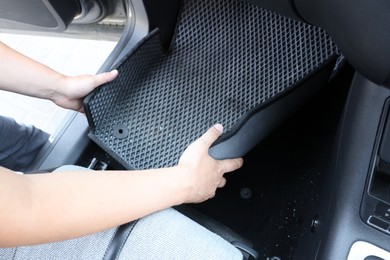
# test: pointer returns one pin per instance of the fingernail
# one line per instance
(219, 127)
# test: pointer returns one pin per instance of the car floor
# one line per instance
(269, 201)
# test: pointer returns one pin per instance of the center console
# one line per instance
(375, 209)
(353, 214)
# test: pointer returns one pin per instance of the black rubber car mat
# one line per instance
(228, 59)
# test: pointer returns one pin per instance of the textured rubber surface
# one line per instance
(228, 60)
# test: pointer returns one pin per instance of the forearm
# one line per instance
(51, 207)
(23, 75)
(59, 206)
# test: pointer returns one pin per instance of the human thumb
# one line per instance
(211, 135)
(105, 77)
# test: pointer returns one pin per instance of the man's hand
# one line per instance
(72, 89)
(203, 173)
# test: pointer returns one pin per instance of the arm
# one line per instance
(51, 207)
(23, 75)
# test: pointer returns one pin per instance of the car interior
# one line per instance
(300, 86)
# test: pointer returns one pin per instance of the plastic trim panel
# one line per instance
(360, 250)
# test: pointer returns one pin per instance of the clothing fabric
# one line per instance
(19, 144)
(170, 235)
(164, 235)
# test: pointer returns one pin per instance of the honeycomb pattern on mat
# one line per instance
(227, 58)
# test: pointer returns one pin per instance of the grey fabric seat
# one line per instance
(164, 235)
(167, 234)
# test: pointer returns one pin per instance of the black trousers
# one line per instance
(19, 144)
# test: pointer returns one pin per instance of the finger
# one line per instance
(212, 134)
(102, 78)
(212, 195)
(230, 165)
(222, 183)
